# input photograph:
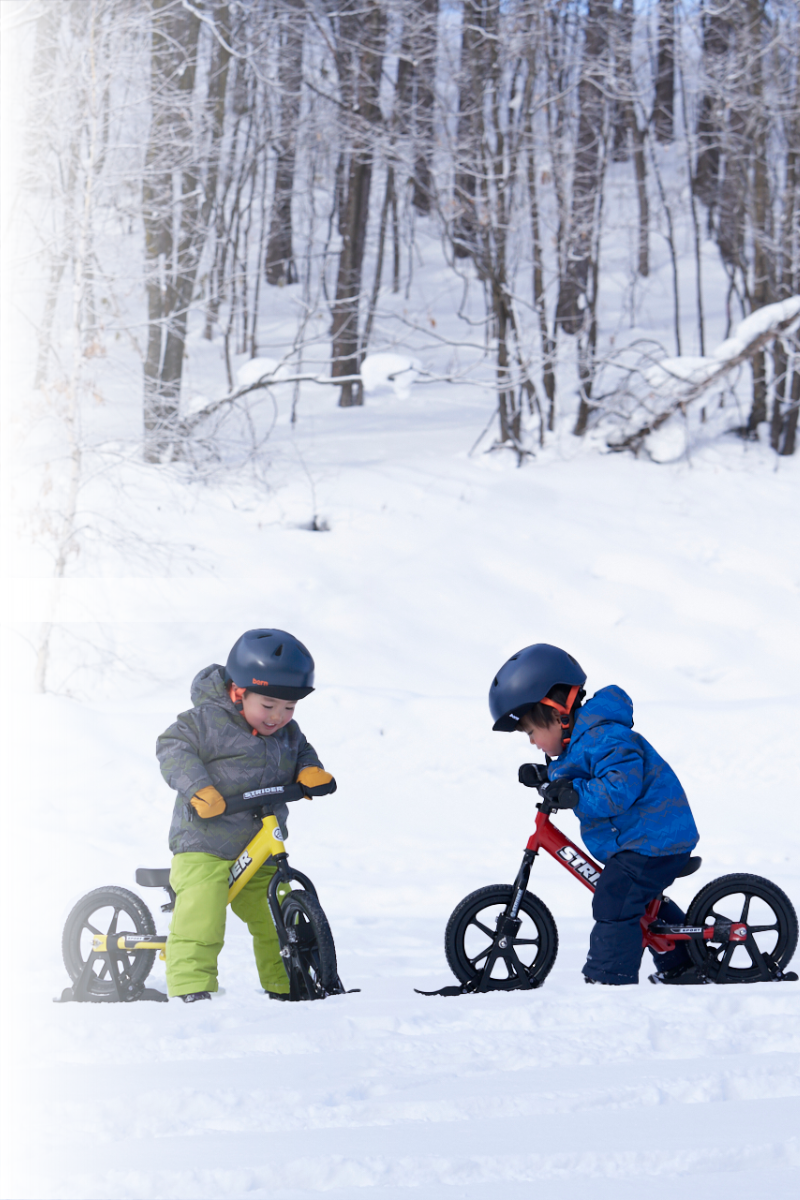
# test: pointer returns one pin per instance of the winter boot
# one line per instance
(688, 973)
(277, 995)
(190, 997)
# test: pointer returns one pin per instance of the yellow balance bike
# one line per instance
(110, 941)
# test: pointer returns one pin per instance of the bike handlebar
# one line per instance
(261, 799)
(547, 807)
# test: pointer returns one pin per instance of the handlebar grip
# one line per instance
(292, 791)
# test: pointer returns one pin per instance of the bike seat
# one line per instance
(152, 876)
(694, 864)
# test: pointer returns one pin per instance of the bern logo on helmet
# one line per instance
(513, 717)
(261, 682)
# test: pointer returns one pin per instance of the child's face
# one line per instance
(266, 714)
(549, 738)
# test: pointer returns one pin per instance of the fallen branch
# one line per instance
(189, 424)
(634, 440)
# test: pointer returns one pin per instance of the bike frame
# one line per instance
(658, 935)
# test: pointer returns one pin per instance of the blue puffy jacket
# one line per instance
(630, 799)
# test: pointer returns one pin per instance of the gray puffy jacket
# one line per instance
(212, 744)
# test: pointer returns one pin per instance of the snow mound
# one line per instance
(256, 368)
(671, 374)
(389, 370)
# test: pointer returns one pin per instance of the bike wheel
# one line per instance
(108, 910)
(763, 907)
(472, 928)
(316, 973)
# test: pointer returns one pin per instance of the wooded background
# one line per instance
(191, 155)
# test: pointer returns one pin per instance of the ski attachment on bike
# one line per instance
(450, 990)
(112, 951)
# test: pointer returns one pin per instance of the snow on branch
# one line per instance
(260, 374)
(684, 379)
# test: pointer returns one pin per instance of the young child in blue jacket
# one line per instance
(633, 811)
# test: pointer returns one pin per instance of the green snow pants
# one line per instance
(197, 932)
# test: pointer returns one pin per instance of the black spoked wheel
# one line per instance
(314, 957)
(771, 928)
(108, 910)
(471, 932)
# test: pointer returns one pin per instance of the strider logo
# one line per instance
(579, 864)
(261, 682)
(241, 863)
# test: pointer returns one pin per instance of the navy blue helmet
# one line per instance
(272, 663)
(527, 678)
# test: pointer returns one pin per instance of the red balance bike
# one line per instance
(739, 928)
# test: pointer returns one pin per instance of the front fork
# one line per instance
(285, 874)
(288, 940)
(508, 926)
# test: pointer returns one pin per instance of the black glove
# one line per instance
(532, 774)
(316, 782)
(561, 793)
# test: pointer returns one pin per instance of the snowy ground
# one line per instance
(678, 583)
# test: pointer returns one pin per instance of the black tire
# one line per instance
(471, 930)
(766, 910)
(318, 975)
(108, 910)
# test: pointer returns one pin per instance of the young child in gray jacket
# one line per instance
(240, 736)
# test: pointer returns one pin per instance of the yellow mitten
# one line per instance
(316, 782)
(208, 803)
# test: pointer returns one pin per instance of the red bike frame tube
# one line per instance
(657, 941)
(549, 837)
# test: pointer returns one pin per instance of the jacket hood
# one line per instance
(209, 684)
(608, 706)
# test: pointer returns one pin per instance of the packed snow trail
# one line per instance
(678, 584)
(650, 1089)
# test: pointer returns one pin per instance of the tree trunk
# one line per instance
(716, 44)
(664, 107)
(761, 287)
(572, 298)
(627, 125)
(425, 41)
(783, 424)
(789, 431)
(43, 90)
(361, 32)
(280, 267)
(169, 267)
(464, 228)
(539, 295)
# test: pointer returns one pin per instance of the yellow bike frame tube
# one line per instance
(123, 942)
(268, 841)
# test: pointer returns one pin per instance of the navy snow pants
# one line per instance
(627, 885)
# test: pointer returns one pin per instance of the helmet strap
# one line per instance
(565, 712)
(237, 696)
